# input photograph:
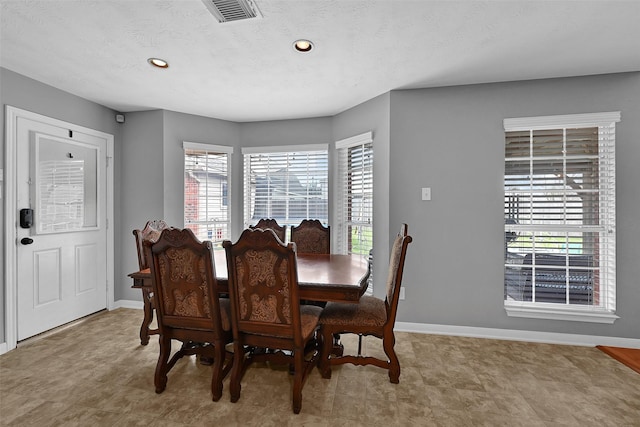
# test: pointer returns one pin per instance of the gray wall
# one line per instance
(178, 128)
(153, 168)
(452, 140)
(21, 92)
(142, 191)
(153, 164)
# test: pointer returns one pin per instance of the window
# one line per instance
(355, 194)
(354, 201)
(288, 184)
(206, 191)
(559, 209)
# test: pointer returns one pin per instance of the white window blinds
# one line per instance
(287, 183)
(207, 207)
(61, 198)
(559, 208)
(355, 194)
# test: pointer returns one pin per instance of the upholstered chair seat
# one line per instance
(369, 311)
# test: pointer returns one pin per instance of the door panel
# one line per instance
(62, 274)
(86, 275)
(46, 279)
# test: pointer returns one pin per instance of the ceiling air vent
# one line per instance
(232, 10)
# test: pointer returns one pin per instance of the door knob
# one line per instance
(26, 241)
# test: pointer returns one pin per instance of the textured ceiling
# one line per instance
(248, 71)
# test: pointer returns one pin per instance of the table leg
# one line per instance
(147, 300)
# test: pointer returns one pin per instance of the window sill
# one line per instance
(553, 312)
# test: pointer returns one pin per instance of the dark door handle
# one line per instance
(26, 241)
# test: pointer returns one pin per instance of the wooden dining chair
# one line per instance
(188, 306)
(272, 224)
(370, 316)
(149, 234)
(268, 322)
(311, 237)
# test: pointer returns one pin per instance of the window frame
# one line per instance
(211, 224)
(604, 313)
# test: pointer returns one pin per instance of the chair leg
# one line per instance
(298, 380)
(160, 378)
(327, 346)
(388, 342)
(236, 371)
(148, 316)
(217, 375)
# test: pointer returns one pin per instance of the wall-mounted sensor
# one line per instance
(120, 118)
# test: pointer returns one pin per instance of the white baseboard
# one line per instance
(517, 335)
(124, 303)
(473, 332)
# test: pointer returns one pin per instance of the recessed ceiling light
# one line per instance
(157, 62)
(303, 45)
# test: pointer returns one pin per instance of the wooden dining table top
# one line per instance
(333, 277)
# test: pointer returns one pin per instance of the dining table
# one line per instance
(321, 278)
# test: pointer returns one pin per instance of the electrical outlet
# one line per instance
(402, 292)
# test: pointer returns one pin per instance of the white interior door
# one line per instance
(61, 252)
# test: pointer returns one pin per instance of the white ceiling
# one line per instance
(248, 70)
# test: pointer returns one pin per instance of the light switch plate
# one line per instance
(426, 193)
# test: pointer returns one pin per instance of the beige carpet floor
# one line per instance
(96, 373)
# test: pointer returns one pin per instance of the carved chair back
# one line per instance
(185, 282)
(263, 284)
(150, 233)
(396, 269)
(272, 224)
(311, 237)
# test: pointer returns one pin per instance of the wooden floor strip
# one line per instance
(628, 356)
